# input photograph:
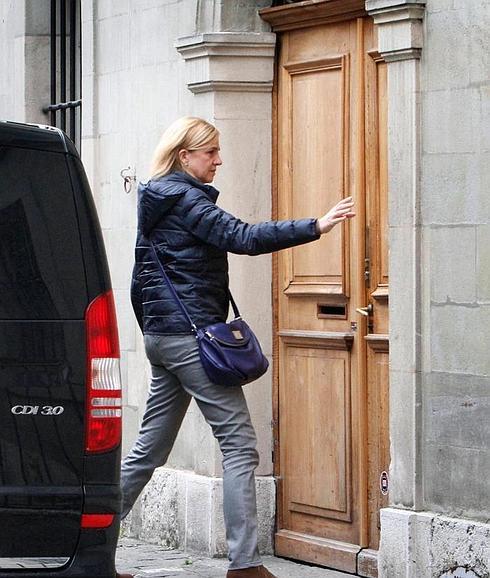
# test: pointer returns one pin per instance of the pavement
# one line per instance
(151, 561)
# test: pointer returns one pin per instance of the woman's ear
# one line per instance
(183, 157)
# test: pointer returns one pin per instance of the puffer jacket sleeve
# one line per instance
(213, 225)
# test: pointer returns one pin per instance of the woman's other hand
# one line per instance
(338, 213)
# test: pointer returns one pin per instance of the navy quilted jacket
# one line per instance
(192, 236)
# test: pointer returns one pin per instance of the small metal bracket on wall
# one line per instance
(128, 176)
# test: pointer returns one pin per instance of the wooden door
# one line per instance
(331, 361)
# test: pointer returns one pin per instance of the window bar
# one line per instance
(63, 60)
(73, 44)
(53, 60)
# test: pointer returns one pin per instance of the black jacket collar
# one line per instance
(183, 177)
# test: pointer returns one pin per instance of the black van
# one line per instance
(60, 388)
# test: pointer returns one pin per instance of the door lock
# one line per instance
(366, 311)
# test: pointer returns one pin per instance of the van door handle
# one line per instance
(366, 311)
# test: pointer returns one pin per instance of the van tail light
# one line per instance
(104, 403)
(96, 520)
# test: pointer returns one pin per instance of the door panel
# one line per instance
(307, 370)
(332, 363)
(315, 172)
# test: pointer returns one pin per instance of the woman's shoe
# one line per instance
(254, 572)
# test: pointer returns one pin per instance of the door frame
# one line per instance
(287, 18)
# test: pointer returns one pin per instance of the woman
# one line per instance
(192, 235)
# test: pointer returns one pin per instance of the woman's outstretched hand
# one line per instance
(338, 213)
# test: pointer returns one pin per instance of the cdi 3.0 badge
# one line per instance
(37, 409)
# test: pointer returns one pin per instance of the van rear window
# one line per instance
(41, 267)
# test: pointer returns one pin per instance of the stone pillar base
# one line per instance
(429, 545)
(183, 510)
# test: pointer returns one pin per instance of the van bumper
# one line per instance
(94, 557)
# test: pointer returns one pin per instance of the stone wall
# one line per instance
(132, 88)
(455, 220)
(439, 126)
(24, 60)
(8, 14)
(135, 83)
(428, 545)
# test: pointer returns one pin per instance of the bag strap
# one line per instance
(178, 299)
(234, 306)
(172, 290)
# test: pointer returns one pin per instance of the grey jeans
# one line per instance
(178, 375)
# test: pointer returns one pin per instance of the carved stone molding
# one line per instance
(228, 61)
(399, 26)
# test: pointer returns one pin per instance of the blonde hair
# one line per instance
(190, 133)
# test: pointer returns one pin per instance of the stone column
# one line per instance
(25, 55)
(400, 36)
(231, 76)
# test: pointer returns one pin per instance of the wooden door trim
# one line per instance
(381, 293)
(327, 63)
(322, 339)
(378, 342)
(322, 551)
(312, 13)
(276, 459)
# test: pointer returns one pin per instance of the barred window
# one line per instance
(66, 73)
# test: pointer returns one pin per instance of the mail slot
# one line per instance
(328, 311)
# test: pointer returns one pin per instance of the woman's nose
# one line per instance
(218, 161)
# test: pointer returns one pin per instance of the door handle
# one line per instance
(366, 311)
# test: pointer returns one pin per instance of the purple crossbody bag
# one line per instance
(230, 352)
